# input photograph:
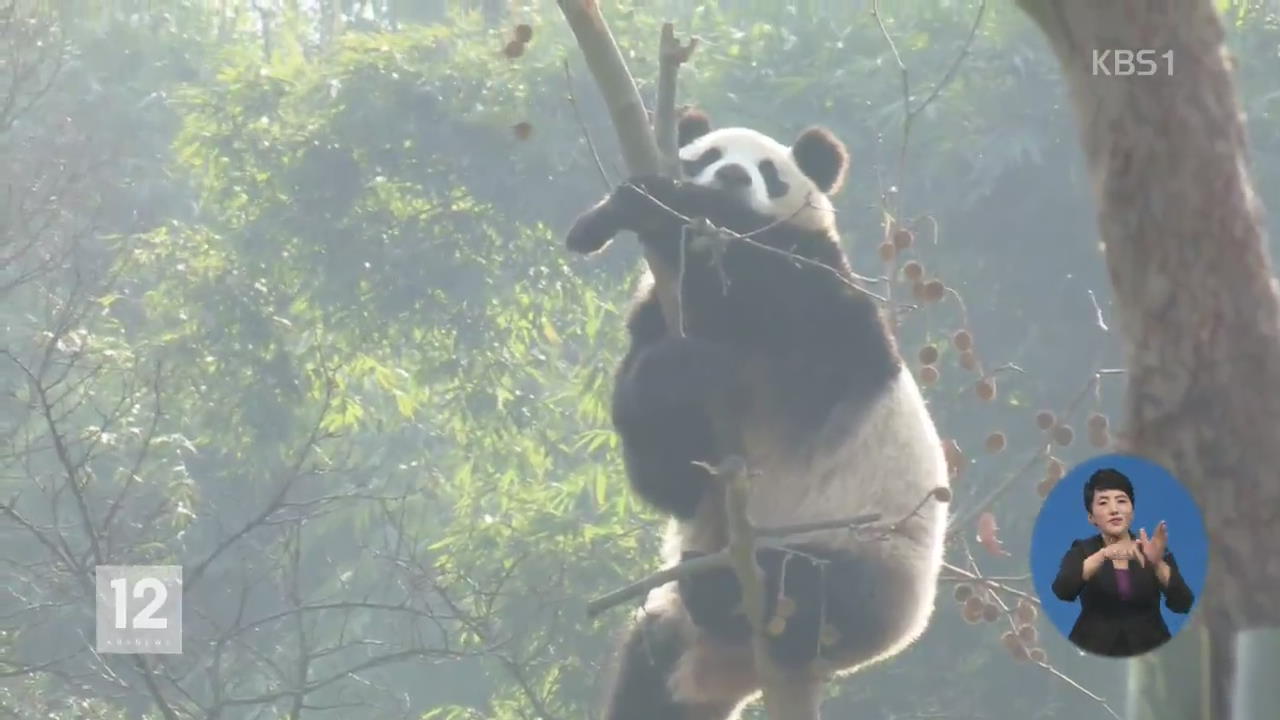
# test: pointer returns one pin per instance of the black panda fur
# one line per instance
(801, 368)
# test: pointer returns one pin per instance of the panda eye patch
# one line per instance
(694, 167)
(773, 183)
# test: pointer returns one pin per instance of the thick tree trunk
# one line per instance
(1194, 293)
(1172, 684)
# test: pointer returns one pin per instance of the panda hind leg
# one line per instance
(864, 603)
(643, 684)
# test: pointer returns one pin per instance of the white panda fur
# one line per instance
(805, 205)
(898, 433)
(875, 451)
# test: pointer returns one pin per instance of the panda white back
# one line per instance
(888, 463)
(884, 459)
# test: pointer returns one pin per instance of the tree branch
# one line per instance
(626, 108)
(671, 55)
(630, 120)
(785, 697)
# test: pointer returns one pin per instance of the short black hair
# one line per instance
(1107, 479)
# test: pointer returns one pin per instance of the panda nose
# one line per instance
(733, 176)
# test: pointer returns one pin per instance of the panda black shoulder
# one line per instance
(826, 338)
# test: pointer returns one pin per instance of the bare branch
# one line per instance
(616, 83)
(582, 124)
(961, 523)
(630, 119)
(767, 538)
(671, 55)
(908, 112)
(786, 696)
(718, 233)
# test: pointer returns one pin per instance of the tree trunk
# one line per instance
(1172, 682)
(1257, 657)
(1194, 293)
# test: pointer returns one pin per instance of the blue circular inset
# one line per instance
(1063, 519)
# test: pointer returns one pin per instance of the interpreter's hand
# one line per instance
(1153, 548)
(1124, 550)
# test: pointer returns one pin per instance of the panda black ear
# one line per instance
(693, 124)
(822, 157)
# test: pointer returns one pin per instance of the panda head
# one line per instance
(790, 184)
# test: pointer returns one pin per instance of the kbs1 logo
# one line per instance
(1126, 63)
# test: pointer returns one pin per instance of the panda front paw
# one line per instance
(637, 205)
(593, 229)
(643, 204)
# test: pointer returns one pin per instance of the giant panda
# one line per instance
(790, 366)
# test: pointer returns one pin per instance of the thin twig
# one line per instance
(906, 91)
(909, 113)
(964, 521)
(1092, 695)
(586, 134)
(955, 64)
(769, 538)
(1097, 313)
(801, 528)
(993, 582)
(747, 238)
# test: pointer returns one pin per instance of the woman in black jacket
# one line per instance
(1119, 576)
